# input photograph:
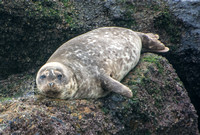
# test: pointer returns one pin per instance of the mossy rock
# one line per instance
(31, 31)
(167, 22)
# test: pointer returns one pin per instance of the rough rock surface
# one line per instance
(160, 105)
(189, 13)
(30, 31)
(186, 58)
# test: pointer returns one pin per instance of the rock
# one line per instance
(160, 105)
(31, 31)
(186, 58)
(187, 11)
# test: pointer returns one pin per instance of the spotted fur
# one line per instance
(95, 62)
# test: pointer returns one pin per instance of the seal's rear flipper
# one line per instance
(108, 83)
(166, 49)
(150, 43)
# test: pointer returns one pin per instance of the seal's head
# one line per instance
(56, 80)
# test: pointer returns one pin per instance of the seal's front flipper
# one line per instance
(108, 83)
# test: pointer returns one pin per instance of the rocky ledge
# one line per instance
(160, 105)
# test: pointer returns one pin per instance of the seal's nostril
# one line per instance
(51, 84)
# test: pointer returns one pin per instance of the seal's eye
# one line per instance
(42, 76)
(59, 76)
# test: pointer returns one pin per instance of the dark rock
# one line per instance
(160, 105)
(30, 31)
(186, 58)
(187, 11)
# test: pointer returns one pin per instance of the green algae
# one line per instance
(32, 30)
(128, 10)
(155, 60)
(167, 22)
(142, 79)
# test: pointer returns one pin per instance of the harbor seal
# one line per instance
(93, 64)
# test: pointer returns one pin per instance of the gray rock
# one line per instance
(187, 57)
(186, 10)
